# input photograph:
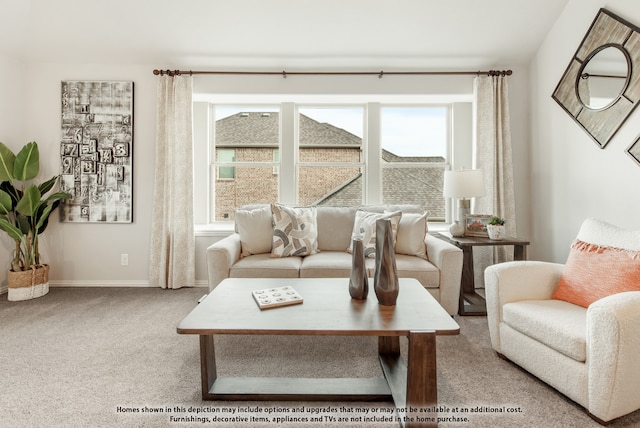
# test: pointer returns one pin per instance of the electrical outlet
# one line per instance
(124, 259)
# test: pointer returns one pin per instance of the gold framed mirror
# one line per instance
(601, 85)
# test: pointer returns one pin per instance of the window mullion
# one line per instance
(288, 153)
(373, 168)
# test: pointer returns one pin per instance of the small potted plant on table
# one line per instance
(24, 215)
(495, 228)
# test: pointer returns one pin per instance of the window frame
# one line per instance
(372, 159)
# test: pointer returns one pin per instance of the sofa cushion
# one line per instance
(335, 225)
(337, 264)
(264, 266)
(295, 231)
(328, 264)
(365, 225)
(418, 268)
(255, 228)
(412, 231)
(560, 325)
(603, 260)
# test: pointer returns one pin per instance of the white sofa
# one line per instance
(587, 353)
(247, 252)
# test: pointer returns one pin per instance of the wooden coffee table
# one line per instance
(328, 310)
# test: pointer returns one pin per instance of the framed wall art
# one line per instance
(96, 151)
(476, 225)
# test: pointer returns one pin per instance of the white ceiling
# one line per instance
(379, 34)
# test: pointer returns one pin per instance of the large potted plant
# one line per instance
(24, 215)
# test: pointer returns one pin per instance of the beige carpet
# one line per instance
(110, 357)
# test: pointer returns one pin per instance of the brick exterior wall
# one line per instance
(253, 185)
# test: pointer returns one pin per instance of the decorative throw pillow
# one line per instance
(365, 226)
(593, 271)
(412, 231)
(255, 228)
(295, 231)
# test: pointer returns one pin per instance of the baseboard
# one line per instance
(112, 283)
(99, 283)
(103, 283)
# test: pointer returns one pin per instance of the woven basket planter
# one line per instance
(28, 284)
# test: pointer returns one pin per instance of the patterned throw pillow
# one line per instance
(365, 225)
(295, 231)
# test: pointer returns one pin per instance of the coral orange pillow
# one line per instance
(593, 272)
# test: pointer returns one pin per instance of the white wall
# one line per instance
(12, 85)
(89, 254)
(571, 177)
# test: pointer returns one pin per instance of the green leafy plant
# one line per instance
(496, 221)
(24, 209)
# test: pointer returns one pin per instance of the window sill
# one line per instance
(438, 227)
(214, 230)
(226, 229)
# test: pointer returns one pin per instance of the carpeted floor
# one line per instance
(111, 357)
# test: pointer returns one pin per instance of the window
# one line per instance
(328, 154)
(247, 137)
(226, 156)
(330, 160)
(414, 156)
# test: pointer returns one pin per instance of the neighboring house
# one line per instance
(254, 137)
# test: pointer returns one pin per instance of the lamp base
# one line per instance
(464, 208)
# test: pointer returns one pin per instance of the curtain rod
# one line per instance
(380, 74)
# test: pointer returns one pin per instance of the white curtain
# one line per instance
(494, 157)
(172, 252)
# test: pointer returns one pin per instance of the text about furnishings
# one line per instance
(255, 415)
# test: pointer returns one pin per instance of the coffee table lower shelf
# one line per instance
(298, 389)
(416, 381)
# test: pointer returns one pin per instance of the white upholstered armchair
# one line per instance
(575, 326)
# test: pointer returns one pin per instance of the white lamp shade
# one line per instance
(464, 183)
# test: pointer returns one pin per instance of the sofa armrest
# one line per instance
(220, 257)
(613, 346)
(514, 281)
(448, 259)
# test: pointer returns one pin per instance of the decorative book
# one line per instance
(276, 297)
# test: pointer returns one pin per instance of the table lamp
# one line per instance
(463, 184)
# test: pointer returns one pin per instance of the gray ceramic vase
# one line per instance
(386, 276)
(358, 282)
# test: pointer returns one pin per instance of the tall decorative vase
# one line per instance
(386, 276)
(358, 282)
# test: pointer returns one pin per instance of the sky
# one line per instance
(416, 131)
